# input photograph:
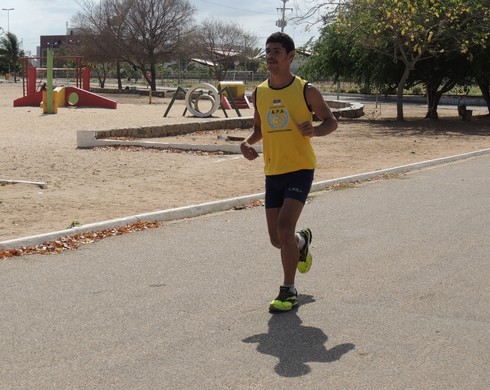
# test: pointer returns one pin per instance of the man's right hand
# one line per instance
(248, 152)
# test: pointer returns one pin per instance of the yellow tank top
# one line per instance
(285, 149)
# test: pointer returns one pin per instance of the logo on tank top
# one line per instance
(278, 118)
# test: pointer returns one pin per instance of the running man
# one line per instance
(283, 119)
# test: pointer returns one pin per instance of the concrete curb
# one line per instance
(221, 205)
(86, 141)
(401, 169)
(91, 138)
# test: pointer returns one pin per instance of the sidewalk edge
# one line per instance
(221, 205)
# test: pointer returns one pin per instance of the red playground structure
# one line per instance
(79, 95)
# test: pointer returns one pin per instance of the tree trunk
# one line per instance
(432, 109)
(153, 81)
(485, 90)
(99, 77)
(151, 77)
(399, 93)
(434, 95)
(102, 75)
(118, 73)
(433, 98)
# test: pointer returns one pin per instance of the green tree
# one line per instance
(414, 30)
(440, 75)
(480, 70)
(337, 55)
(11, 52)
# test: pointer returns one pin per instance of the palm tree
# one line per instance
(10, 51)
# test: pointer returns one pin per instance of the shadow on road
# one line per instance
(296, 345)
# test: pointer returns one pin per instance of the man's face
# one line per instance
(276, 57)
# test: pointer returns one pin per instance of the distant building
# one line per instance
(72, 37)
(300, 59)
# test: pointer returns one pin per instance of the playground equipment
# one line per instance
(192, 103)
(223, 97)
(51, 98)
(234, 91)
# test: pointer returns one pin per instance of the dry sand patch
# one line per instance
(87, 186)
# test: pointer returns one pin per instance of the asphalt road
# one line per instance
(398, 298)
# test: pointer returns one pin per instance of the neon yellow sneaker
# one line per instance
(285, 301)
(305, 256)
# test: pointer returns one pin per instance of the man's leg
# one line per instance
(281, 223)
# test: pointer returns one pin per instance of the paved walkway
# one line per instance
(398, 297)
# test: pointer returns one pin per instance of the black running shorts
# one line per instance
(294, 185)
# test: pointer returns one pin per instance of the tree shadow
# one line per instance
(478, 126)
(296, 345)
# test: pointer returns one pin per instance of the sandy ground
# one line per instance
(92, 185)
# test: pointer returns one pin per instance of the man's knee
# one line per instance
(275, 241)
(285, 234)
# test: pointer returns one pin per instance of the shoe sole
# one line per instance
(304, 266)
(274, 309)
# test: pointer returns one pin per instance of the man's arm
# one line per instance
(248, 151)
(318, 105)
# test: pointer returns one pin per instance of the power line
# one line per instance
(234, 8)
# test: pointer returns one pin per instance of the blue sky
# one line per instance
(32, 18)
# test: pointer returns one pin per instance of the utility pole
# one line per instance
(8, 17)
(8, 24)
(282, 22)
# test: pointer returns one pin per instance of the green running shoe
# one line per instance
(305, 257)
(285, 301)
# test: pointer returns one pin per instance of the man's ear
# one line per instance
(291, 55)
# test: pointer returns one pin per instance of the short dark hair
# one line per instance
(284, 39)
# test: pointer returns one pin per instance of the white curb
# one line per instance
(221, 205)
